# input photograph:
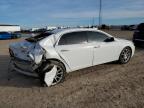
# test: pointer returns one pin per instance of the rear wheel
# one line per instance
(125, 55)
(60, 72)
(60, 75)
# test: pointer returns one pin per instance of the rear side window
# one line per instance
(96, 36)
(73, 38)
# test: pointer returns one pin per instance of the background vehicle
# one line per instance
(138, 37)
(7, 35)
(51, 55)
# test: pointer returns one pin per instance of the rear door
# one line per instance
(75, 50)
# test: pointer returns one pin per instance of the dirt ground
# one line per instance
(105, 86)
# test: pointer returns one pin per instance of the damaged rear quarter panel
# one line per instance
(50, 53)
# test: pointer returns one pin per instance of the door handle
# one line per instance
(64, 50)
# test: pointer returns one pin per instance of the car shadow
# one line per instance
(12, 78)
(15, 79)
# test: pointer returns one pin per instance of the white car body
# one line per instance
(74, 56)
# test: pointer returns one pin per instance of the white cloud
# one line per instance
(88, 14)
(111, 10)
(123, 14)
(115, 14)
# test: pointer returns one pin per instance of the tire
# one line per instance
(60, 74)
(125, 55)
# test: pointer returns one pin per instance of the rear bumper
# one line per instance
(24, 67)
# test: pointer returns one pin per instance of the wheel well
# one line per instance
(129, 47)
(49, 60)
(124, 48)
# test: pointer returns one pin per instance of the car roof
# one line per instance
(140, 27)
(72, 29)
(58, 32)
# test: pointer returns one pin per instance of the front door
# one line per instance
(103, 51)
(75, 50)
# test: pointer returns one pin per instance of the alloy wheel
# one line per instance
(59, 75)
(126, 55)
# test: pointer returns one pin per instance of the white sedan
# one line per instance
(51, 55)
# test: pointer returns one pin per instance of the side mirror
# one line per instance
(110, 39)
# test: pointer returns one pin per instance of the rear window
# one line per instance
(39, 37)
(141, 27)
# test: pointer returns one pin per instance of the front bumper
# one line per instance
(25, 67)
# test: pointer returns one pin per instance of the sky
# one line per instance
(38, 13)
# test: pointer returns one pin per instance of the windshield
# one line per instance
(39, 37)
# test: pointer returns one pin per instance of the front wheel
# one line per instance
(125, 55)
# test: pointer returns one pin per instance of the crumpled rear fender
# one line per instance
(51, 54)
(48, 45)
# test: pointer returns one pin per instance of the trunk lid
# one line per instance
(22, 49)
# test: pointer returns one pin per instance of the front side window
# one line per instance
(96, 36)
(73, 38)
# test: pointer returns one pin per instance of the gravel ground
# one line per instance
(104, 86)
